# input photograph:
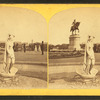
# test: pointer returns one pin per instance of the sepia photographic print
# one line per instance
(23, 49)
(49, 49)
(74, 49)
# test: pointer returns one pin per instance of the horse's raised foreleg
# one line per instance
(71, 30)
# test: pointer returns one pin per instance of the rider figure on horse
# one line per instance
(74, 22)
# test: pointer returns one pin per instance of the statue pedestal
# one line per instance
(74, 42)
(8, 75)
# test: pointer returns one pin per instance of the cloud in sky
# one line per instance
(60, 24)
(25, 24)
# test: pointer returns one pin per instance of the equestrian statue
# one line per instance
(74, 27)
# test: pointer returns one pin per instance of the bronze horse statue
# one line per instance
(75, 27)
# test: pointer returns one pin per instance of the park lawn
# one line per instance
(74, 59)
(31, 56)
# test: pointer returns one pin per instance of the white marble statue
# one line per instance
(9, 57)
(89, 58)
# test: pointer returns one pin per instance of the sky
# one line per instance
(60, 24)
(25, 24)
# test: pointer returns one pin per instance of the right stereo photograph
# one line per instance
(74, 49)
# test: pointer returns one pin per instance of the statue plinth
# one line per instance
(74, 42)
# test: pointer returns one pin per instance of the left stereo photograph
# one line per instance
(23, 49)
